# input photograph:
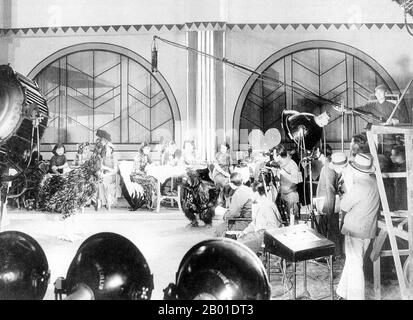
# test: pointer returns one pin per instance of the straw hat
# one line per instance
(363, 163)
(338, 160)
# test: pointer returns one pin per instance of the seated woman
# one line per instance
(265, 215)
(188, 153)
(58, 163)
(107, 188)
(178, 159)
(222, 171)
(169, 155)
(138, 175)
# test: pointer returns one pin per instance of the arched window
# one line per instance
(328, 69)
(95, 87)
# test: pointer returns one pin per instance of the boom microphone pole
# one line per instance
(239, 67)
(338, 106)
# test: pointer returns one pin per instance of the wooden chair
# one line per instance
(161, 197)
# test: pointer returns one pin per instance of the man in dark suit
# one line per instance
(383, 108)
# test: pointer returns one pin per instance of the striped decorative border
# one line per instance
(197, 26)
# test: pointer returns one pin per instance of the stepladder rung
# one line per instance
(391, 227)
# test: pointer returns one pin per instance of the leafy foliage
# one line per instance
(66, 194)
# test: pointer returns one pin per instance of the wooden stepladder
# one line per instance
(395, 223)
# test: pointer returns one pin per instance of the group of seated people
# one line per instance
(108, 189)
(286, 166)
(252, 208)
(249, 213)
(172, 155)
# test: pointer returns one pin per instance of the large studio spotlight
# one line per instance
(305, 129)
(24, 271)
(220, 269)
(107, 266)
(23, 118)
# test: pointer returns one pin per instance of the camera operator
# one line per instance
(290, 176)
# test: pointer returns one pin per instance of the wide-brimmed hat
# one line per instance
(338, 160)
(363, 163)
(103, 134)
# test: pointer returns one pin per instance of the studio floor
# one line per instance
(163, 238)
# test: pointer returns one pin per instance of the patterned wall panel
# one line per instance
(331, 75)
(252, 114)
(274, 96)
(198, 26)
(96, 89)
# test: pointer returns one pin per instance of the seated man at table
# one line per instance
(265, 216)
(240, 207)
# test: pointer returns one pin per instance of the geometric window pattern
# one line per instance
(329, 73)
(96, 89)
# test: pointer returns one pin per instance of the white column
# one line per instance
(206, 100)
(199, 103)
(212, 99)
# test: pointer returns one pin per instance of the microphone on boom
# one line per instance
(154, 56)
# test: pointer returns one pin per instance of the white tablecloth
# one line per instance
(162, 173)
(197, 166)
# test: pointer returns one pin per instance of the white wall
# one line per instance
(92, 12)
(317, 11)
(49, 13)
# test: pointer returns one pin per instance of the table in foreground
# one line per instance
(299, 243)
